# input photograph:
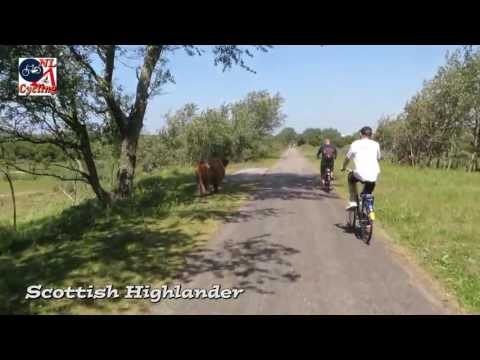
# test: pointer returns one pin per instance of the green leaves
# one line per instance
(90, 102)
(229, 55)
(287, 136)
(235, 131)
(438, 120)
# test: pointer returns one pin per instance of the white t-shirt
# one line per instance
(365, 154)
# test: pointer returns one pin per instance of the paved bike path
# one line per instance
(288, 250)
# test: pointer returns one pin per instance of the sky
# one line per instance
(344, 87)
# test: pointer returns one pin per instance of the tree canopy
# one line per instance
(440, 125)
(238, 130)
(91, 102)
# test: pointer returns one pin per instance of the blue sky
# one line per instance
(345, 87)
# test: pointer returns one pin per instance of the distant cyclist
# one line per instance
(365, 154)
(329, 154)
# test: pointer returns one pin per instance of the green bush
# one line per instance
(238, 131)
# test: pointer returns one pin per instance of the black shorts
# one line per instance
(369, 186)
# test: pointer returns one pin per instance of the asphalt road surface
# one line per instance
(289, 250)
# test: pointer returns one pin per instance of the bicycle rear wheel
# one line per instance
(352, 219)
(369, 234)
(327, 184)
(366, 226)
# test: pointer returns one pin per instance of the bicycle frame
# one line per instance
(366, 202)
(363, 215)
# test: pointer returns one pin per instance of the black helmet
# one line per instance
(366, 131)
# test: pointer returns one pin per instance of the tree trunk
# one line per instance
(476, 148)
(130, 130)
(412, 156)
(450, 162)
(12, 191)
(473, 162)
(103, 196)
(428, 161)
(127, 163)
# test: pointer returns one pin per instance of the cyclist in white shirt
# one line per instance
(365, 154)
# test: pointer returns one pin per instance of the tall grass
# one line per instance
(143, 240)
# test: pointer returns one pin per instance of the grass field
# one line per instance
(434, 214)
(141, 241)
(35, 199)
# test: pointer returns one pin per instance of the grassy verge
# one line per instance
(36, 199)
(141, 241)
(433, 213)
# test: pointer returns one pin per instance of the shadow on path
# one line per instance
(348, 230)
(252, 262)
(133, 241)
(283, 185)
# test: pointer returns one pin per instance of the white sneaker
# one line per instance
(351, 205)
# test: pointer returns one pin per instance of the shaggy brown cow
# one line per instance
(210, 173)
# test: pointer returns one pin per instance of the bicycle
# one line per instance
(328, 180)
(31, 69)
(362, 216)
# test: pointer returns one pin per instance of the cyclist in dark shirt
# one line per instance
(329, 154)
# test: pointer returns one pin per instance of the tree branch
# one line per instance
(151, 58)
(109, 63)
(84, 63)
(84, 174)
(23, 137)
(16, 167)
(104, 85)
(67, 195)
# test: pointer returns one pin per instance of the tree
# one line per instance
(209, 135)
(237, 131)
(312, 136)
(346, 140)
(333, 134)
(467, 62)
(300, 140)
(287, 136)
(90, 101)
(252, 120)
(440, 125)
(5, 172)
